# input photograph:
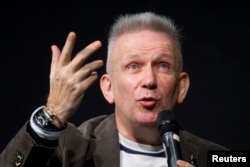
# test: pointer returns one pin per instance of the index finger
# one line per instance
(65, 57)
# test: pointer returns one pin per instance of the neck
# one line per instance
(144, 134)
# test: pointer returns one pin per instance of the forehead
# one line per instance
(143, 41)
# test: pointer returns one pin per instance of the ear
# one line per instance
(183, 86)
(106, 88)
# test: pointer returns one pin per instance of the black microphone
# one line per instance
(168, 128)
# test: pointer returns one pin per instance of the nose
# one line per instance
(149, 79)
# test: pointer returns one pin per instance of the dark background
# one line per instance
(216, 38)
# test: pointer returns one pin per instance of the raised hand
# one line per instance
(70, 78)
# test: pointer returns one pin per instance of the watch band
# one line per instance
(43, 120)
(41, 125)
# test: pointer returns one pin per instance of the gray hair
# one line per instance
(139, 21)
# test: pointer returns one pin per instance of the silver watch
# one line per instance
(42, 119)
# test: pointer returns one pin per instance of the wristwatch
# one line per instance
(43, 119)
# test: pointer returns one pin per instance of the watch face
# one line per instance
(42, 119)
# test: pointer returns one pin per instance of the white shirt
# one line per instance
(134, 154)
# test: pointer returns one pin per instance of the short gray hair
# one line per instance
(140, 21)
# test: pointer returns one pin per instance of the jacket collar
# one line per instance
(187, 146)
(105, 143)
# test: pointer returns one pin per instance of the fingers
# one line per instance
(84, 54)
(55, 58)
(86, 76)
(83, 74)
(83, 86)
(65, 57)
(88, 69)
(181, 163)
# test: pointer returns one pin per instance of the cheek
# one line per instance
(124, 88)
(168, 87)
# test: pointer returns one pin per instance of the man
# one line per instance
(144, 77)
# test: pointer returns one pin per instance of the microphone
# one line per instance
(169, 131)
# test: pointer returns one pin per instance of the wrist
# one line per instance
(42, 126)
(54, 119)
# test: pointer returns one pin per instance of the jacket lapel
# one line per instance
(105, 144)
(187, 146)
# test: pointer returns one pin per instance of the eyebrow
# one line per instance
(162, 56)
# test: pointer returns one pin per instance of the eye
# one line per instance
(133, 67)
(163, 65)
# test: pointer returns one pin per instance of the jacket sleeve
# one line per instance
(22, 151)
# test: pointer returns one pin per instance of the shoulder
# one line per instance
(201, 142)
(197, 146)
(98, 123)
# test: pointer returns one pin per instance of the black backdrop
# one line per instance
(215, 48)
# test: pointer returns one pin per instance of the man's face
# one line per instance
(144, 77)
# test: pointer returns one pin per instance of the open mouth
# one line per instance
(148, 103)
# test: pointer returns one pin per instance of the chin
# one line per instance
(148, 120)
(148, 124)
(149, 115)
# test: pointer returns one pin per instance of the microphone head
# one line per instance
(166, 122)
